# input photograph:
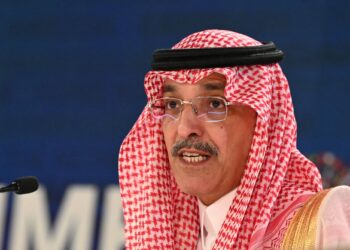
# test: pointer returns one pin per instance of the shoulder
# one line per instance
(335, 206)
(339, 191)
(333, 222)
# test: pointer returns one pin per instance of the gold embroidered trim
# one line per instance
(301, 233)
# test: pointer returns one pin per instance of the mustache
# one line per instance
(196, 144)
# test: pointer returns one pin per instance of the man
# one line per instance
(212, 161)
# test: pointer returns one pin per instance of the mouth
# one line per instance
(193, 157)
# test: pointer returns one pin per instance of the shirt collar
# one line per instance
(215, 213)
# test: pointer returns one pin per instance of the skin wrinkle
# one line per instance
(207, 86)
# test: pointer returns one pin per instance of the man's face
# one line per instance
(210, 171)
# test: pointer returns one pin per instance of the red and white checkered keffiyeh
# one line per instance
(277, 177)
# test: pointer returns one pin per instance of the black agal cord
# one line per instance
(175, 59)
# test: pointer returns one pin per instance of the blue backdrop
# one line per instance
(71, 87)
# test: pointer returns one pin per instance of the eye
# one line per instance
(216, 103)
(171, 104)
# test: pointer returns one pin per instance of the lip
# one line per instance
(192, 151)
(190, 157)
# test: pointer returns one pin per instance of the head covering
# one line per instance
(159, 216)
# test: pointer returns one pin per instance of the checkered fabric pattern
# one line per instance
(159, 216)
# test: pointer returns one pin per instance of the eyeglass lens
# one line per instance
(206, 108)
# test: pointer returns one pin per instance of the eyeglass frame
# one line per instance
(190, 102)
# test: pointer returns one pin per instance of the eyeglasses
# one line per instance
(207, 108)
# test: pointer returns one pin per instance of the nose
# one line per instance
(188, 123)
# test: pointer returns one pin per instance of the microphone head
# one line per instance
(26, 184)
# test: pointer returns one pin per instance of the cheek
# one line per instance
(222, 138)
(234, 140)
(227, 141)
(168, 138)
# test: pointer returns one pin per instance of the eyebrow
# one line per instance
(214, 86)
(169, 88)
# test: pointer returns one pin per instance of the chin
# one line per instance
(194, 187)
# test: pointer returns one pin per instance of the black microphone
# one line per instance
(22, 185)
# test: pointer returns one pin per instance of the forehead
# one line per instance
(213, 82)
